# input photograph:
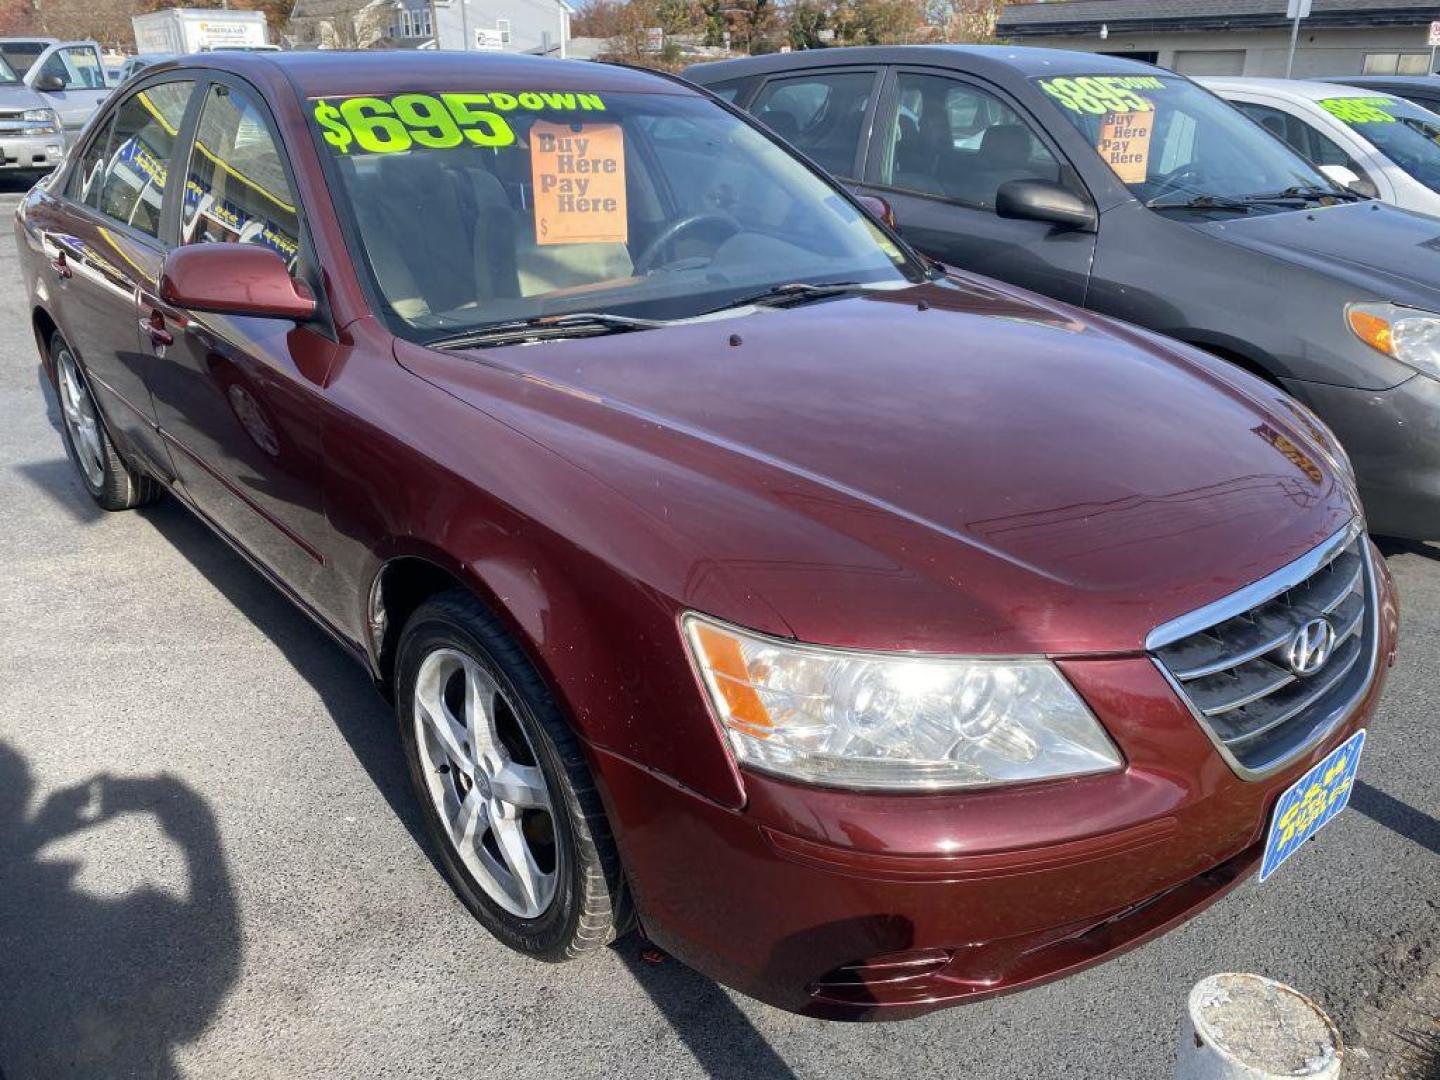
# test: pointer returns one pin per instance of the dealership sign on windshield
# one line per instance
(1100, 94)
(394, 123)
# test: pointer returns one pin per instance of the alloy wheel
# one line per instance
(485, 782)
(82, 420)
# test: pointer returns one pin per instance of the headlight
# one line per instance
(879, 720)
(45, 119)
(1409, 335)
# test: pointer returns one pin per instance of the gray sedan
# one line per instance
(1134, 192)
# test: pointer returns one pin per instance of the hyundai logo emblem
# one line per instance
(1310, 646)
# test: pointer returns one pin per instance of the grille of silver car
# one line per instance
(1245, 678)
(14, 123)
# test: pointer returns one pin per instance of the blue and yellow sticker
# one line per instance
(1312, 801)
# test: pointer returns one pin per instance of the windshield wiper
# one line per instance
(1302, 193)
(579, 324)
(1199, 202)
(790, 293)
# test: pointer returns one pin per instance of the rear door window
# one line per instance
(236, 190)
(822, 115)
(137, 160)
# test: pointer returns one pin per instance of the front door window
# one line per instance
(959, 142)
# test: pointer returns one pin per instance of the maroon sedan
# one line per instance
(875, 637)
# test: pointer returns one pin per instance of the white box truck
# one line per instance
(192, 30)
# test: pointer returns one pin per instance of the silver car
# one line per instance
(43, 107)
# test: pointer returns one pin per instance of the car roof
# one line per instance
(1305, 89)
(1415, 82)
(320, 73)
(993, 60)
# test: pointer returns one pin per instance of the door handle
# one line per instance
(60, 266)
(155, 327)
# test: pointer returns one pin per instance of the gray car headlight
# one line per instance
(1410, 335)
(893, 721)
(42, 121)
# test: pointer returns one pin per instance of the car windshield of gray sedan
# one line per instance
(1175, 145)
(479, 211)
(1405, 133)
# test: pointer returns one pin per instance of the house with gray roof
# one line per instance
(1235, 37)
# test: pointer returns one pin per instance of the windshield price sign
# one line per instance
(1100, 94)
(1360, 110)
(393, 124)
(579, 175)
(1124, 143)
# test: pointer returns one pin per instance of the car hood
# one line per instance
(20, 96)
(1394, 252)
(952, 467)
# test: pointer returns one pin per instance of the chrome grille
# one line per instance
(1241, 664)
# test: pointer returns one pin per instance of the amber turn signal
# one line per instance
(1371, 329)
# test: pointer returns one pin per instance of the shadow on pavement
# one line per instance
(357, 711)
(719, 1036)
(96, 985)
(1399, 816)
(15, 182)
(58, 481)
(1390, 547)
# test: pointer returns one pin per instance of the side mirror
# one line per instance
(1364, 187)
(879, 209)
(48, 84)
(1351, 180)
(234, 279)
(1044, 200)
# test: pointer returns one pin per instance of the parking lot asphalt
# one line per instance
(211, 866)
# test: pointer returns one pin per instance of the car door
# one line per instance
(825, 114)
(103, 239)
(71, 79)
(238, 397)
(942, 146)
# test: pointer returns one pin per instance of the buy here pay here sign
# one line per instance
(579, 175)
(1124, 143)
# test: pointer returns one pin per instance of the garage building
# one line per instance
(1235, 37)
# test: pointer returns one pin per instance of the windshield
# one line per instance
(475, 209)
(20, 55)
(1405, 133)
(1168, 140)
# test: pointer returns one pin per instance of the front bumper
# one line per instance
(1393, 439)
(31, 151)
(863, 906)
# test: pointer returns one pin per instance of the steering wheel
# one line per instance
(1176, 177)
(644, 261)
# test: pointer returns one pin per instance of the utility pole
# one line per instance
(1295, 11)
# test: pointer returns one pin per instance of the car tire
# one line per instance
(106, 475)
(477, 785)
